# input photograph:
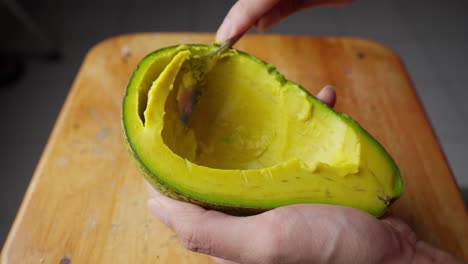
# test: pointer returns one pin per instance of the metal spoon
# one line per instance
(189, 97)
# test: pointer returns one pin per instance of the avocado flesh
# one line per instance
(255, 140)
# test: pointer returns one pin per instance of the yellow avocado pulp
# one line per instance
(255, 141)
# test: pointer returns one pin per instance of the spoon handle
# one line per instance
(227, 44)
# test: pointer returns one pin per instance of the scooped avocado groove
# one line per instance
(255, 140)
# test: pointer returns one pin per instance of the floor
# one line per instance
(429, 35)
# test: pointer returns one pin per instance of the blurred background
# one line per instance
(43, 43)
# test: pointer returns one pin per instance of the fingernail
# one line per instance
(327, 95)
(224, 31)
(328, 89)
(159, 210)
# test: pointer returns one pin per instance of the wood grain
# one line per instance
(87, 202)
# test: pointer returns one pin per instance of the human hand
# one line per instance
(264, 14)
(303, 233)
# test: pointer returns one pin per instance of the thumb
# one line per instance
(240, 239)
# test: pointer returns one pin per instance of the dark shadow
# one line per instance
(464, 192)
(11, 69)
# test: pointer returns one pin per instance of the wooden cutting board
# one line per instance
(86, 202)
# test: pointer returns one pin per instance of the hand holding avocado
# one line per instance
(303, 233)
(299, 233)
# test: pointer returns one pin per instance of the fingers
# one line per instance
(327, 95)
(241, 239)
(243, 14)
(418, 251)
(264, 13)
(285, 8)
(302, 233)
(203, 231)
(162, 206)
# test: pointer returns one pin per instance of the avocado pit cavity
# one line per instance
(247, 119)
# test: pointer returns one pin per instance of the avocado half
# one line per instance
(255, 141)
